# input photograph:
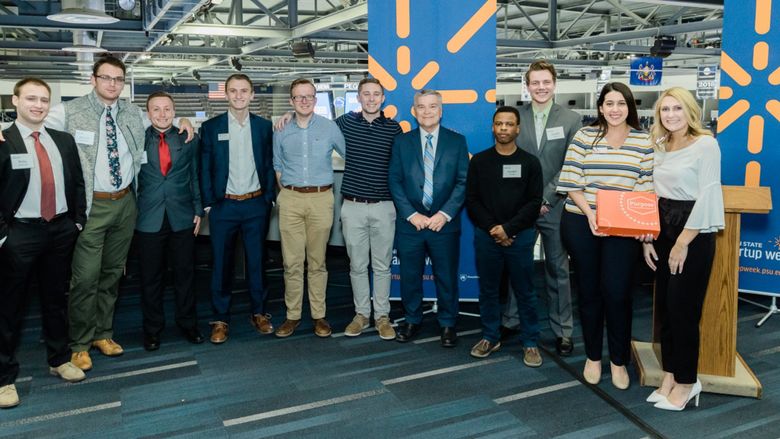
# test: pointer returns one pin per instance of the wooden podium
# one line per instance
(721, 368)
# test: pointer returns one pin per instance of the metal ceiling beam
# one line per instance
(229, 30)
(334, 19)
(696, 26)
(42, 23)
(628, 12)
(626, 48)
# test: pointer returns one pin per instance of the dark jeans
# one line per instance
(679, 299)
(42, 251)
(519, 262)
(177, 248)
(604, 269)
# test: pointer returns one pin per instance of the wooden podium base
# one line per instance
(743, 383)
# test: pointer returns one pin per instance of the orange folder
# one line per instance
(622, 213)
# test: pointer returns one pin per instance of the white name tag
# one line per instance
(512, 171)
(85, 137)
(554, 133)
(223, 136)
(21, 161)
(144, 158)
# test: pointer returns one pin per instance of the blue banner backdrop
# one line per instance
(749, 126)
(449, 46)
(646, 70)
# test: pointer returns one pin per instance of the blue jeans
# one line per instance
(519, 262)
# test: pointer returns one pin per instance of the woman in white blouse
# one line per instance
(686, 176)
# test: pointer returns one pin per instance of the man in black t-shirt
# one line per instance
(503, 198)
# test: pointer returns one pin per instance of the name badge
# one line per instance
(144, 158)
(555, 133)
(85, 137)
(512, 171)
(223, 136)
(21, 161)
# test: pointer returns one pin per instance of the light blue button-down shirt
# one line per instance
(303, 155)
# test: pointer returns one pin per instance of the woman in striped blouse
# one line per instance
(610, 154)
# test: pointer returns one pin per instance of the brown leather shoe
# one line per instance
(262, 322)
(322, 328)
(287, 328)
(219, 332)
(81, 360)
(108, 347)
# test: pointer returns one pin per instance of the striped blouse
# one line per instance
(588, 167)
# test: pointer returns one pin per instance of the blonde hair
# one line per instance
(659, 134)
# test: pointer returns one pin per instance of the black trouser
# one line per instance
(179, 247)
(42, 250)
(604, 270)
(679, 298)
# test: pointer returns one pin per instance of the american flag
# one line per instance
(216, 90)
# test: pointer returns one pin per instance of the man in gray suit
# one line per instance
(169, 214)
(546, 130)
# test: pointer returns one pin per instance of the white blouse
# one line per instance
(693, 173)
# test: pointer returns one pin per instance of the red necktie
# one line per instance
(165, 156)
(48, 196)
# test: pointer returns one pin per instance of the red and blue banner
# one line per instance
(450, 47)
(646, 70)
(748, 129)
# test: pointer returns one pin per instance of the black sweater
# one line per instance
(495, 195)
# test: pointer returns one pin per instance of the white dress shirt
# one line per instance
(31, 203)
(242, 172)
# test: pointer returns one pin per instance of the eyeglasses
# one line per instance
(110, 79)
(302, 98)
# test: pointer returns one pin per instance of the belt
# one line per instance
(39, 220)
(309, 189)
(111, 195)
(243, 197)
(360, 200)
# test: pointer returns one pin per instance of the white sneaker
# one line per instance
(8, 396)
(68, 372)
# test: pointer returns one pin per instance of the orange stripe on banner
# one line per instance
(753, 174)
(403, 59)
(402, 18)
(426, 74)
(774, 77)
(729, 116)
(377, 71)
(760, 55)
(773, 107)
(458, 96)
(733, 69)
(490, 95)
(471, 27)
(391, 111)
(726, 92)
(763, 16)
(755, 134)
(405, 126)
(412, 112)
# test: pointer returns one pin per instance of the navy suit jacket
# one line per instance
(407, 175)
(215, 157)
(13, 182)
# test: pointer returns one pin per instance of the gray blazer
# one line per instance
(178, 193)
(550, 152)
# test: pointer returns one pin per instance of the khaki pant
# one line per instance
(304, 224)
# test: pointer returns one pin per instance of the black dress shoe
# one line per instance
(564, 346)
(449, 338)
(151, 342)
(193, 335)
(406, 332)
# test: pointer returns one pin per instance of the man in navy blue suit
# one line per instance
(237, 187)
(428, 183)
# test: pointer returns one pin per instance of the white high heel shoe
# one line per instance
(694, 394)
(655, 397)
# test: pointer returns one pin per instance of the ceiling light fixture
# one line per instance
(83, 12)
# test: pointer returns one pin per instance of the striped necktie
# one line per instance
(428, 165)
